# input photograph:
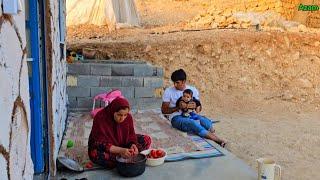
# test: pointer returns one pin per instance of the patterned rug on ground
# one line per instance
(177, 144)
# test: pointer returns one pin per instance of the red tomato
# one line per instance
(89, 165)
(160, 153)
(131, 152)
(154, 153)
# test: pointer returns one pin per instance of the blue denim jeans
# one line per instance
(187, 124)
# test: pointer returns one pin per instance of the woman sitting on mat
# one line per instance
(113, 135)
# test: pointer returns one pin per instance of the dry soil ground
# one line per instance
(263, 86)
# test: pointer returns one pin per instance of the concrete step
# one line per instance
(140, 82)
(114, 68)
(90, 86)
(85, 104)
(113, 81)
(83, 97)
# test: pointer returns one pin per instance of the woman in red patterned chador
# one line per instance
(113, 134)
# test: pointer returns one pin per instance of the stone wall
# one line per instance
(309, 18)
(285, 7)
(249, 13)
(313, 20)
(56, 76)
(15, 156)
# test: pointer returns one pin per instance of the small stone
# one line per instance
(296, 56)
(72, 80)
(245, 25)
(188, 55)
(214, 25)
(305, 83)
(302, 28)
(236, 26)
(317, 92)
(148, 48)
(287, 96)
(287, 41)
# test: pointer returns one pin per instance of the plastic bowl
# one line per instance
(154, 162)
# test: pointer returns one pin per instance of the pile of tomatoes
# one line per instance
(156, 153)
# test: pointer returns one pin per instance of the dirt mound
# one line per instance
(87, 31)
(230, 18)
(263, 86)
(284, 66)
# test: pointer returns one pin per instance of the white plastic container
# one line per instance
(267, 169)
(154, 162)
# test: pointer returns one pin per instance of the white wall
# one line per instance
(57, 98)
(15, 158)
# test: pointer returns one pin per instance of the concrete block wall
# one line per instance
(140, 83)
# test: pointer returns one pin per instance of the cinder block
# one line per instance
(148, 103)
(152, 82)
(132, 102)
(110, 81)
(127, 92)
(141, 70)
(131, 81)
(88, 81)
(72, 80)
(78, 91)
(85, 110)
(122, 70)
(101, 69)
(158, 92)
(72, 102)
(143, 92)
(98, 90)
(85, 102)
(79, 69)
(160, 72)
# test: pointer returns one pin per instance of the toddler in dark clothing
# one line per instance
(187, 98)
